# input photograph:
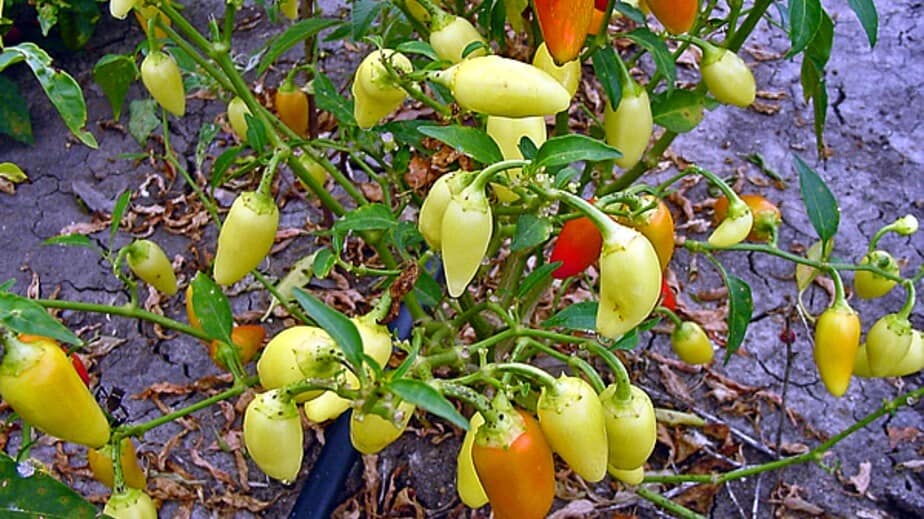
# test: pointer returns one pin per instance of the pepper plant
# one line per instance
(529, 213)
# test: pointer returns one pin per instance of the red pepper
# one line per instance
(564, 25)
(80, 368)
(668, 299)
(578, 246)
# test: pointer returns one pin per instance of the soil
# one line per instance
(874, 169)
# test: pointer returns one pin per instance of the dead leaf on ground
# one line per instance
(900, 435)
(861, 480)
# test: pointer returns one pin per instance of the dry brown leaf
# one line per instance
(900, 435)
(861, 479)
(698, 498)
(674, 385)
(577, 509)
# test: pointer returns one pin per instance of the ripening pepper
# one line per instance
(450, 35)
(727, 76)
(691, 344)
(273, 435)
(564, 25)
(101, 465)
(148, 261)
(237, 112)
(657, 224)
(161, 77)
(130, 504)
(514, 463)
(870, 285)
(376, 339)
(837, 337)
(630, 280)
(677, 16)
(469, 487)
(516, 89)
(507, 133)
(292, 107)
(668, 299)
(376, 92)
(571, 417)
(246, 236)
(568, 74)
(247, 338)
(887, 343)
(466, 231)
(767, 215)
(629, 127)
(597, 20)
(120, 8)
(143, 13)
(577, 247)
(631, 428)
(735, 227)
(370, 433)
(39, 382)
(294, 351)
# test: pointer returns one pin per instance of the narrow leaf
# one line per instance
(424, 396)
(142, 119)
(561, 151)
(820, 203)
(607, 71)
(804, 20)
(740, 309)
(117, 212)
(12, 173)
(580, 316)
(679, 111)
(530, 231)
(23, 315)
(869, 18)
(293, 36)
(661, 55)
(212, 308)
(535, 278)
(470, 141)
(115, 73)
(30, 492)
(337, 325)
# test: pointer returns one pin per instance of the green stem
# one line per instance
(484, 176)
(482, 327)
(140, 429)
(670, 314)
(524, 370)
(575, 362)
(623, 383)
(125, 311)
(905, 312)
(816, 454)
(839, 296)
(477, 400)
(665, 503)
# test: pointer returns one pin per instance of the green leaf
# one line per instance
(630, 12)
(820, 204)
(212, 308)
(580, 316)
(527, 148)
(7, 285)
(869, 18)
(24, 315)
(337, 325)
(330, 100)
(804, 20)
(142, 119)
(740, 309)
(294, 35)
(299, 275)
(77, 22)
(406, 234)
(14, 113)
(424, 396)
(679, 111)
(117, 212)
(256, 133)
(222, 163)
(324, 261)
(62, 90)
(371, 217)
(661, 55)
(629, 341)
(30, 492)
(207, 134)
(12, 172)
(71, 240)
(531, 231)
(563, 150)
(114, 73)
(417, 47)
(536, 277)
(363, 14)
(470, 141)
(608, 72)
(427, 290)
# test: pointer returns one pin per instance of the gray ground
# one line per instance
(873, 132)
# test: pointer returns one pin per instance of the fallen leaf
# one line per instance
(899, 435)
(861, 480)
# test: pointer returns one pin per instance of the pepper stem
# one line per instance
(905, 312)
(623, 384)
